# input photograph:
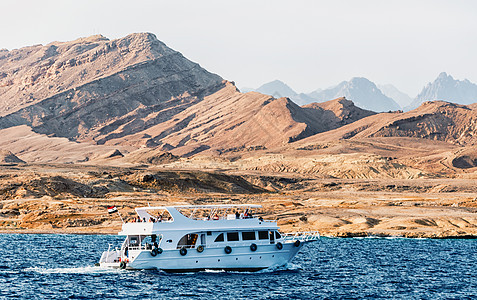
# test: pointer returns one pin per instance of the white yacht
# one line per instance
(206, 237)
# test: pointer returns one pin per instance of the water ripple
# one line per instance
(62, 267)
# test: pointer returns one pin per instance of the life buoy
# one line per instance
(253, 247)
(279, 246)
(228, 249)
(154, 252)
(200, 249)
(122, 265)
(159, 250)
(297, 243)
(183, 251)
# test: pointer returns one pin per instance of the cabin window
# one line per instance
(187, 241)
(134, 241)
(219, 238)
(263, 235)
(248, 236)
(277, 235)
(209, 232)
(232, 236)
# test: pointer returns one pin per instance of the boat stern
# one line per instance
(111, 259)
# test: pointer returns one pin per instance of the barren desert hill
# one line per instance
(230, 121)
(137, 98)
(434, 120)
(137, 92)
(33, 147)
(93, 86)
(341, 111)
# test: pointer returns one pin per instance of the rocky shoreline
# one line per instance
(74, 199)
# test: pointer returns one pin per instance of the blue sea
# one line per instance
(62, 267)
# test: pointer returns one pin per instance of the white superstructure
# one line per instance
(194, 238)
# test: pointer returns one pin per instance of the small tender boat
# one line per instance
(207, 237)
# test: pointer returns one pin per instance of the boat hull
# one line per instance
(242, 258)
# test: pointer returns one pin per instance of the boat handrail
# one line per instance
(302, 236)
(238, 244)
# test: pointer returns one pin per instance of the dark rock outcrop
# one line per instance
(9, 158)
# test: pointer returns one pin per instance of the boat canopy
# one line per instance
(177, 212)
(218, 206)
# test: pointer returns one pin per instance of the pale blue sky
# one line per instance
(307, 44)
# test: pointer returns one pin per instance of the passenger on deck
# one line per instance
(237, 215)
(216, 217)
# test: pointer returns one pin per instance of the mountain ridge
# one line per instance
(151, 98)
(363, 92)
(434, 120)
(446, 88)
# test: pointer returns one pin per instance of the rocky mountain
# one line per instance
(340, 112)
(93, 88)
(134, 99)
(446, 88)
(362, 92)
(392, 92)
(248, 121)
(433, 120)
(135, 92)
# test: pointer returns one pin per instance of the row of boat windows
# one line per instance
(248, 236)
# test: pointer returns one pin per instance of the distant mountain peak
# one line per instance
(276, 86)
(445, 87)
(277, 81)
(360, 80)
(363, 92)
(394, 93)
(443, 75)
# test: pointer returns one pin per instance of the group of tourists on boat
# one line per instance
(151, 220)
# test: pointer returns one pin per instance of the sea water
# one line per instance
(62, 267)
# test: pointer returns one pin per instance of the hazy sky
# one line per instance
(307, 44)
